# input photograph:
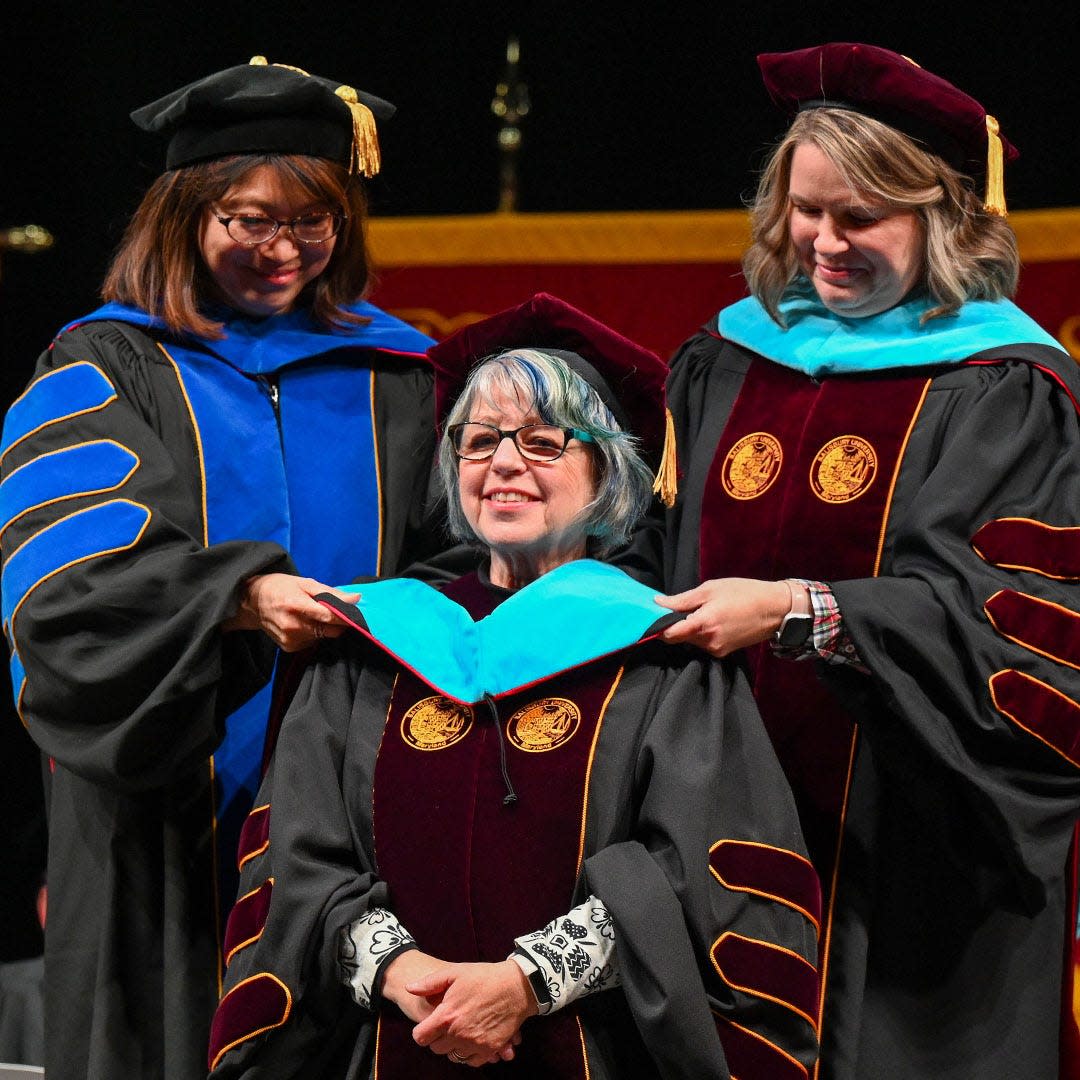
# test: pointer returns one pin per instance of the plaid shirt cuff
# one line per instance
(829, 641)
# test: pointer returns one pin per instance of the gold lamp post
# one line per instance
(510, 105)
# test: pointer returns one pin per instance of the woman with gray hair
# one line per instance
(881, 478)
(507, 799)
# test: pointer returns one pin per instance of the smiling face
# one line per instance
(268, 278)
(528, 513)
(861, 255)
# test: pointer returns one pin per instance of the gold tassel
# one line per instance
(261, 61)
(994, 202)
(666, 484)
(365, 149)
(365, 157)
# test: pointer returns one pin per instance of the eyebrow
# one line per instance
(234, 201)
(861, 206)
(492, 421)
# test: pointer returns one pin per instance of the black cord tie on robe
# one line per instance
(511, 795)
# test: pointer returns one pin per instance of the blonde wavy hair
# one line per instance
(970, 253)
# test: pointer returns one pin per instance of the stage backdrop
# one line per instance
(656, 277)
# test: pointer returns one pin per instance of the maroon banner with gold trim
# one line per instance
(654, 276)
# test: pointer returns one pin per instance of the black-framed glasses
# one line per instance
(253, 229)
(473, 441)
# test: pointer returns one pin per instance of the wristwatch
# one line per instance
(535, 978)
(795, 629)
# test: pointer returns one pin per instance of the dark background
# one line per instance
(634, 106)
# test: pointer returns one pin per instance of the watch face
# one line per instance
(794, 631)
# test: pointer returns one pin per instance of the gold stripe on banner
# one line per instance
(668, 236)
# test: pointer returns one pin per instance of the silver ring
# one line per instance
(456, 1058)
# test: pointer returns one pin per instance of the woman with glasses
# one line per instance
(503, 822)
(233, 427)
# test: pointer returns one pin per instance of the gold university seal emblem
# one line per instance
(843, 469)
(752, 465)
(543, 725)
(436, 723)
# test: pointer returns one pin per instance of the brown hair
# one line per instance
(159, 267)
(970, 253)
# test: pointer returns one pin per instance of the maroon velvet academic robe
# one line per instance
(644, 778)
(939, 792)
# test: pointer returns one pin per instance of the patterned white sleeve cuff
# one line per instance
(365, 946)
(574, 955)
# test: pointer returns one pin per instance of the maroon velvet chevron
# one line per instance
(772, 872)
(1025, 544)
(1045, 628)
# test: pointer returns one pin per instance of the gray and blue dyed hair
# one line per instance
(545, 385)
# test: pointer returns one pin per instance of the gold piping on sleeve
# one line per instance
(1021, 566)
(75, 494)
(66, 416)
(252, 854)
(268, 1027)
(1026, 644)
(760, 1038)
(786, 901)
(760, 993)
(1023, 727)
(74, 562)
(254, 937)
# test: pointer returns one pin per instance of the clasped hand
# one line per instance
(281, 605)
(726, 614)
(470, 1012)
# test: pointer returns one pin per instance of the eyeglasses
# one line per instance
(537, 442)
(253, 229)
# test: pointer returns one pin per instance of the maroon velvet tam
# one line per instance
(629, 378)
(888, 87)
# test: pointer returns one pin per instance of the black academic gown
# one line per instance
(667, 803)
(954, 764)
(118, 574)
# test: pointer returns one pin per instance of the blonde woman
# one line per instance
(880, 464)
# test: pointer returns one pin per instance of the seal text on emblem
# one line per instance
(843, 469)
(543, 725)
(752, 465)
(436, 723)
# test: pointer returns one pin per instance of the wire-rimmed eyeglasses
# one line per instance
(254, 229)
(474, 441)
